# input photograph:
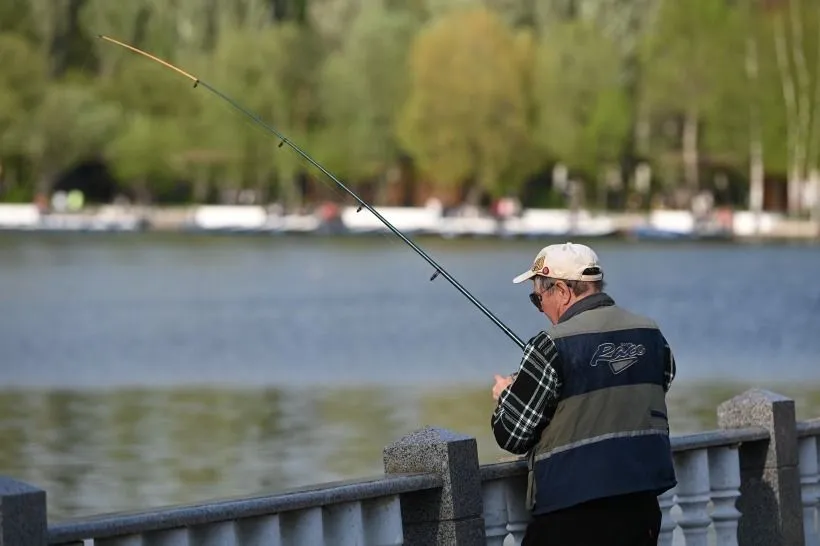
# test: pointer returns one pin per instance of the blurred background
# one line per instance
(188, 311)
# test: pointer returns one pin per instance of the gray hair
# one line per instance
(579, 288)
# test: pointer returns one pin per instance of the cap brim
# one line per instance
(524, 276)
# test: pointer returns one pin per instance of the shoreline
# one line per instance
(656, 225)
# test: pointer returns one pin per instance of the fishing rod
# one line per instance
(284, 140)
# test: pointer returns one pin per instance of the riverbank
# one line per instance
(529, 223)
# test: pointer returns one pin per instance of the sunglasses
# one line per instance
(536, 298)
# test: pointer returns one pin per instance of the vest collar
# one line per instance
(601, 299)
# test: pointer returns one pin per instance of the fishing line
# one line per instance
(438, 270)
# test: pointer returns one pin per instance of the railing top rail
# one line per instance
(717, 438)
(503, 469)
(118, 524)
(684, 442)
(808, 428)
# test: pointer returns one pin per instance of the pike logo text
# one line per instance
(619, 356)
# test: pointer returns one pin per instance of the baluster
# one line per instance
(302, 527)
(692, 468)
(495, 511)
(344, 524)
(724, 476)
(382, 519)
(517, 514)
(809, 488)
(215, 534)
(259, 531)
(172, 537)
(668, 523)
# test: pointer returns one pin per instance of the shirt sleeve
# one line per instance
(526, 406)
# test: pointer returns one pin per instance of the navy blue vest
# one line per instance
(609, 434)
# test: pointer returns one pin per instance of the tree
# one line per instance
(16, 17)
(71, 124)
(790, 23)
(22, 85)
(584, 115)
(466, 116)
(276, 83)
(688, 54)
(331, 18)
(125, 22)
(157, 109)
(364, 85)
(143, 151)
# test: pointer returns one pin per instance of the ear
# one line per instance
(566, 292)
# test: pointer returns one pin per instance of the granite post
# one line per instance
(22, 514)
(770, 502)
(452, 515)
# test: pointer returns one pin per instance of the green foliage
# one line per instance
(144, 149)
(584, 113)
(686, 52)
(22, 86)
(71, 123)
(476, 93)
(360, 111)
(277, 82)
(465, 117)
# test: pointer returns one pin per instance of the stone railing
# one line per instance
(362, 512)
(752, 482)
(736, 485)
(707, 467)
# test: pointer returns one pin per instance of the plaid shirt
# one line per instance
(526, 407)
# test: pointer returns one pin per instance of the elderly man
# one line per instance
(588, 406)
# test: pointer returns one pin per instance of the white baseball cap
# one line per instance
(567, 261)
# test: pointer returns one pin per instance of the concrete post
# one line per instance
(770, 502)
(452, 515)
(22, 514)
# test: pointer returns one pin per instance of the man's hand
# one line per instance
(501, 383)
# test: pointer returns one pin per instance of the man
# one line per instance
(588, 406)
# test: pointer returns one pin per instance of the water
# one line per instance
(143, 370)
